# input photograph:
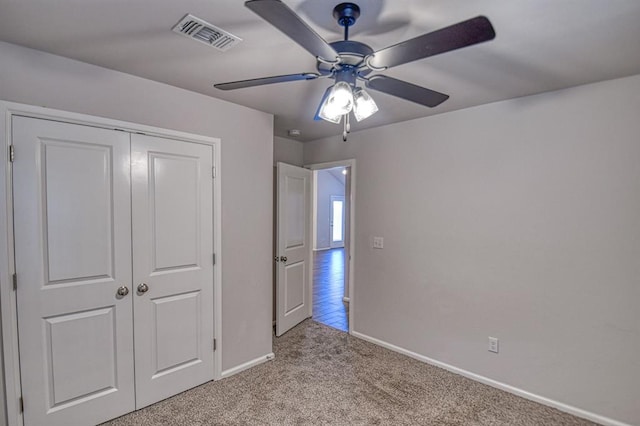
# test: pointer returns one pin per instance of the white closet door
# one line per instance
(73, 251)
(172, 205)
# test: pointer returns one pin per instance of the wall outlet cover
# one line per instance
(378, 242)
(493, 344)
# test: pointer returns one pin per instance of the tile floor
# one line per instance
(328, 289)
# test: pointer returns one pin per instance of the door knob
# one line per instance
(143, 288)
(277, 259)
(283, 258)
(123, 291)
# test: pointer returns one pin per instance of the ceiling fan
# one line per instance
(348, 61)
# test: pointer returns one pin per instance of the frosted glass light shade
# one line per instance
(338, 103)
(364, 105)
(325, 115)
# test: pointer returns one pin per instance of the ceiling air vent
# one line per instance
(204, 32)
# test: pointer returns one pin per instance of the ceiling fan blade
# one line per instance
(265, 80)
(404, 90)
(462, 34)
(286, 20)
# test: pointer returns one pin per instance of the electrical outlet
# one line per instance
(493, 344)
(378, 242)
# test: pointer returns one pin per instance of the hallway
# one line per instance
(328, 289)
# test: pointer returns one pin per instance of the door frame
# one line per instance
(10, 388)
(350, 198)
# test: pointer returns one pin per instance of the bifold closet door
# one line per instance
(72, 221)
(172, 205)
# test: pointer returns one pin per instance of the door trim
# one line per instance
(352, 223)
(10, 390)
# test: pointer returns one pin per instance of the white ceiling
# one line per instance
(541, 45)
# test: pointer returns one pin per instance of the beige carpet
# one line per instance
(323, 376)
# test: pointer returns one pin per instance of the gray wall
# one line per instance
(287, 151)
(32, 77)
(3, 402)
(327, 185)
(519, 220)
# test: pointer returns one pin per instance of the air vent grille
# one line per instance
(204, 32)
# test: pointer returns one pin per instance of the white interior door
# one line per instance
(337, 221)
(172, 205)
(73, 251)
(293, 286)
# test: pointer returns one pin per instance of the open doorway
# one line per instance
(330, 225)
(295, 242)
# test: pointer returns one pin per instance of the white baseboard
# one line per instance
(494, 383)
(346, 299)
(237, 369)
(322, 249)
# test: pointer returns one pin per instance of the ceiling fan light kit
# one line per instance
(348, 61)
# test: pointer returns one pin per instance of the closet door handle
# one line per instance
(143, 288)
(283, 258)
(123, 291)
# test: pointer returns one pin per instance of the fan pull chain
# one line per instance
(347, 127)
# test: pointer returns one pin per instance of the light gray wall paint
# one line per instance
(519, 220)
(38, 78)
(327, 185)
(287, 151)
(3, 402)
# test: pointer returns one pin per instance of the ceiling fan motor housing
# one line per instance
(352, 53)
(346, 14)
(347, 74)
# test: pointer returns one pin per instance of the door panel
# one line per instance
(293, 295)
(175, 236)
(72, 252)
(173, 256)
(72, 378)
(294, 292)
(294, 197)
(63, 162)
(176, 331)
